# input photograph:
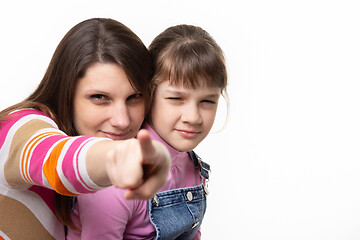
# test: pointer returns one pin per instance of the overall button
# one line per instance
(189, 196)
(206, 190)
(156, 200)
(195, 224)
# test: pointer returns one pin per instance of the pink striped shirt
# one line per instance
(37, 158)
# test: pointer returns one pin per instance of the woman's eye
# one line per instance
(135, 97)
(99, 98)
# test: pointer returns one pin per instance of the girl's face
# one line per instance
(183, 116)
(106, 105)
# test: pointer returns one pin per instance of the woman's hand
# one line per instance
(140, 165)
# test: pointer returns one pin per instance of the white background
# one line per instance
(287, 165)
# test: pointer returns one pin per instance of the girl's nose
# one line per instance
(120, 116)
(191, 114)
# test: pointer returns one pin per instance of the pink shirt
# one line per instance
(107, 215)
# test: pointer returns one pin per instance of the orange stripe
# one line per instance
(24, 167)
(32, 143)
(50, 170)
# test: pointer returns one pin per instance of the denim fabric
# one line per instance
(203, 167)
(177, 213)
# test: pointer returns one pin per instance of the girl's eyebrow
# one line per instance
(184, 92)
(213, 95)
(174, 91)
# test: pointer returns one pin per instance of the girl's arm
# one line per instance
(198, 235)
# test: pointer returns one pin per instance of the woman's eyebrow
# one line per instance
(96, 90)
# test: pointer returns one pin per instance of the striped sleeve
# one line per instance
(36, 152)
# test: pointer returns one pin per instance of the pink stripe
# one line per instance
(46, 194)
(67, 166)
(38, 157)
(13, 118)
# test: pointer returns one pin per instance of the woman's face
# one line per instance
(106, 105)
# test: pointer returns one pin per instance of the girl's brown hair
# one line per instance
(188, 55)
(91, 41)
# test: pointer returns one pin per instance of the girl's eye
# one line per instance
(208, 101)
(174, 98)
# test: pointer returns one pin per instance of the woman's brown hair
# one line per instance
(91, 41)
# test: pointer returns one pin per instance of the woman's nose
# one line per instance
(120, 116)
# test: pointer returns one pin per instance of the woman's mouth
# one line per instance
(116, 136)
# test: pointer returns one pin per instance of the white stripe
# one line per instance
(3, 235)
(75, 164)
(5, 149)
(60, 161)
(82, 163)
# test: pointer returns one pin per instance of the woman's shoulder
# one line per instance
(25, 122)
(27, 114)
(27, 111)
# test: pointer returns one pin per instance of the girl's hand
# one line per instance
(140, 165)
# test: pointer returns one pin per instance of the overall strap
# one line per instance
(203, 167)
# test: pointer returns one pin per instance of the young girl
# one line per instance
(190, 75)
(64, 139)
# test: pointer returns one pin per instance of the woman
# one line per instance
(69, 134)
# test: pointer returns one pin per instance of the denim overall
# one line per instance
(178, 213)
